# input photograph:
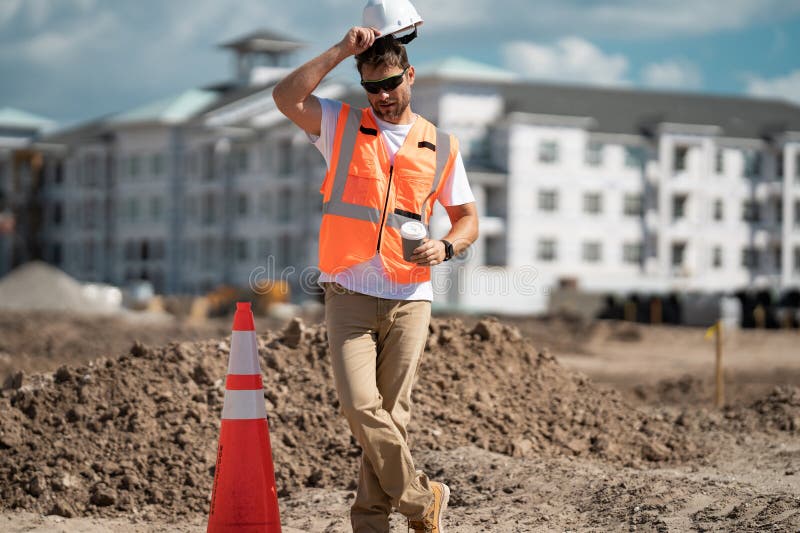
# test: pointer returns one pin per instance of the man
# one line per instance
(386, 166)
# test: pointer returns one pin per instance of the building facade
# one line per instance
(610, 190)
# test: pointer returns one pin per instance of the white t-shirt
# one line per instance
(369, 277)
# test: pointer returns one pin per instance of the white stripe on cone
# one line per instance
(244, 353)
(244, 405)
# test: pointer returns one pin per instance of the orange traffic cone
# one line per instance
(244, 497)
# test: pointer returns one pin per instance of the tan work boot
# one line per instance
(432, 521)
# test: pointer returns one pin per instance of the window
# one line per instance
(777, 209)
(546, 250)
(135, 164)
(593, 203)
(156, 208)
(157, 164)
(678, 253)
(594, 154)
(777, 256)
(495, 201)
(209, 213)
(716, 257)
(91, 170)
(285, 205)
(678, 206)
(751, 211)
(192, 163)
(284, 250)
(209, 164)
(242, 160)
(130, 251)
(632, 253)
(58, 213)
(242, 250)
(264, 248)
(592, 252)
(797, 213)
(548, 152)
(681, 153)
(718, 210)
(719, 161)
(264, 203)
(90, 211)
(242, 205)
(779, 164)
(495, 247)
(797, 168)
(191, 208)
(480, 149)
(284, 157)
(548, 200)
(158, 250)
(797, 259)
(634, 156)
(58, 176)
(133, 209)
(56, 256)
(207, 252)
(750, 257)
(752, 163)
(633, 204)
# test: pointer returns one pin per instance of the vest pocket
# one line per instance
(412, 189)
(363, 187)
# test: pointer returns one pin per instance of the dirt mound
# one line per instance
(780, 411)
(38, 341)
(39, 286)
(139, 432)
(685, 390)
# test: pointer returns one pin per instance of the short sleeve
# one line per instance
(330, 115)
(456, 189)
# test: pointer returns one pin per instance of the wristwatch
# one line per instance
(448, 250)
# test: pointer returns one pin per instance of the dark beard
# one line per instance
(401, 107)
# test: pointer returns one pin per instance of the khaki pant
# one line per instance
(376, 347)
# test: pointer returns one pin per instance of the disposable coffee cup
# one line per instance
(413, 234)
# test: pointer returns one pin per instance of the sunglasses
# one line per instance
(386, 84)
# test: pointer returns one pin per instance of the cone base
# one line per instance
(244, 497)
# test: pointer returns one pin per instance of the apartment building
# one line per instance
(614, 190)
(622, 190)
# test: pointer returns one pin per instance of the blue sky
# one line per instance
(73, 60)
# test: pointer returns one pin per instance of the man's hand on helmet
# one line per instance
(358, 39)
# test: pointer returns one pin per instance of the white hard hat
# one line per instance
(392, 17)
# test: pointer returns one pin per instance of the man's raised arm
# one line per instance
(293, 95)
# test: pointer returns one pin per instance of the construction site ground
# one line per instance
(536, 425)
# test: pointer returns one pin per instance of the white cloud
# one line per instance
(672, 74)
(618, 19)
(783, 87)
(569, 59)
(8, 9)
(54, 47)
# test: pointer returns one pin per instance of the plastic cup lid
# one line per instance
(413, 230)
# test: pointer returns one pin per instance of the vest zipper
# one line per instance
(385, 203)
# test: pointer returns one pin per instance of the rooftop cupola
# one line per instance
(262, 56)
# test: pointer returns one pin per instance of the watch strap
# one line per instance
(448, 250)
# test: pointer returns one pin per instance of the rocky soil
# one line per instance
(525, 443)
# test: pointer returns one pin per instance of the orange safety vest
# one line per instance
(366, 200)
